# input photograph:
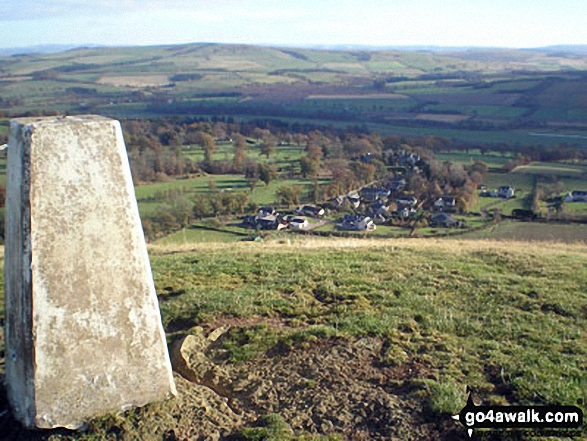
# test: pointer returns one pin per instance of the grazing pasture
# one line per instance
(492, 159)
(561, 170)
(519, 181)
(262, 194)
(532, 231)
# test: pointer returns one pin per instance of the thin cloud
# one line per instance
(11, 10)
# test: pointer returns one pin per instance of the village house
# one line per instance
(354, 199)
(576, 196)
(266, 219)
(397, 184)
(357, 223)
(444, 220)
(310, 210)
(371, 194)
(378, 211)
(379, 207)
(445, 203)
(505, 192)
(270, 223)
(405, 213)
(406, 200)
(337, 202)
(266, 212)
(408, 159)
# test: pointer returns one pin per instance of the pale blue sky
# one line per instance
(494, 23)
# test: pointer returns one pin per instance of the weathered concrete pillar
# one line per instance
(83, 329)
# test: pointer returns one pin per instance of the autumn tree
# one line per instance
(269, 145)
(267, 173)
(201, 207)
(252, 175)
(299, 138)
(343, 179)
(181, 209)
(364, 173)
(239, 152)
(315, 193)
(259, 133)
(289, 195)
(457, 176)
(479, 167)
(241, 201)
(308, 166)
(314, 151)
(206, 141)
(358, 146)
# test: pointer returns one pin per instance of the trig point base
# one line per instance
(83, 328)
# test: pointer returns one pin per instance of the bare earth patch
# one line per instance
(336, 386)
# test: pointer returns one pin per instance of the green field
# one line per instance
(262, 194)
(539, 232)
(284, 154)
(492, 159)
(517, 180)
(482, 111)
(205, 232)
(557, 169)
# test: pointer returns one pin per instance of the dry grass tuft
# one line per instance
(456, 247)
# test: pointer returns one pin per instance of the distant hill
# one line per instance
(580, 49)
(426, 90)
(40, 49)
(354, 61)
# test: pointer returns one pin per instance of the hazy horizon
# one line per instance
(504, 24)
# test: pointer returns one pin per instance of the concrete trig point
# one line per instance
(83, 329)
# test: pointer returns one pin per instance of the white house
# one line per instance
(505, 192)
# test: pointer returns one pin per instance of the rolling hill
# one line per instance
(483, 96)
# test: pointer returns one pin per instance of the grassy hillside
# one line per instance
(364, 339)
